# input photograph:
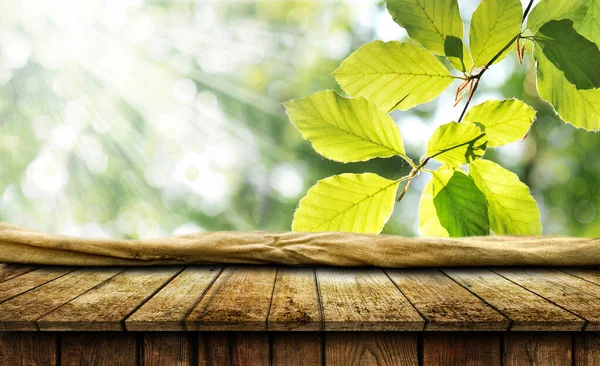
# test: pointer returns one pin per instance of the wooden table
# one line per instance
(260, 315)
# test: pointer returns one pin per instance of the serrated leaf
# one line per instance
(493, 25)
(503, 121)
(547, 10)
(428, 23)
(452, 205)
(577, 57)
(581, 108)
(511, 208)
(456, 144)
(394, 75)
(345, 130)
(359, 203)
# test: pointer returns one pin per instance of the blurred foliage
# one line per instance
(142, 119)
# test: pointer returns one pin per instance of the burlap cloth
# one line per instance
(20, 245)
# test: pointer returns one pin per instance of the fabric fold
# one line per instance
(20, 245)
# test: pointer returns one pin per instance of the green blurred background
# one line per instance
(139, 119)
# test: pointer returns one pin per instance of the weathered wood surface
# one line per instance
(167, 309)
(259, 298)
(371, 348)
(295, 303)
(444, 304)
(565, 290)
(365, 299)
(554, 349)
(299, 348)
(105, 306)
(527, 311)
(469, 349)
(239, 299)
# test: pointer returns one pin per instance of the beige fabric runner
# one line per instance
(20, 245)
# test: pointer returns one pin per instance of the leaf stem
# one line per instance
(527, 9)
(477, 77)
(413, 173)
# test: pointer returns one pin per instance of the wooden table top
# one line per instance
(261, 298)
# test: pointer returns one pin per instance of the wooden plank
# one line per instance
(8, 271)
(468, 349)
(167, 309)
(240, 348)
(30, 280)
(364, 299)
(527, 311)
(586, 349)
(21, 312)
(98, 349)
(238, 300)
(588, 274)
(295, 303)
(27, 349)
(538, 349)
(166, 349)
(107, 305)
(297, 348)
(371, 348)
(574, 294)
(445, 304)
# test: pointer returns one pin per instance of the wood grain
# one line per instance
(30, 280)
(166, 310)
(574, 294)
(588, 274)
(98, 349)
(465, 349)
(445, 304)
(586, 349)
(233, 349)
(370, 348)
(527, 311)
(167, 349)
(107, 305)
(364, 299)
(296, 348)
(238, 300)
(549, 349)
(8, 271)
(21, 312)
(295, 302)
(27, 349)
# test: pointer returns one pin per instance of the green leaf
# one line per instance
(456, 144)
(393, 75)
(493, 25)
(504, 121)
(428, 23)
(575, 56)
(452, 205)
(547, 10)
(359, 203)
(581, 108)
(589, 26)
(511, 208)
(456, 52)
(345, 130)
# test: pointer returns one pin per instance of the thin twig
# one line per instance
(478, 76)
(527, 11)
